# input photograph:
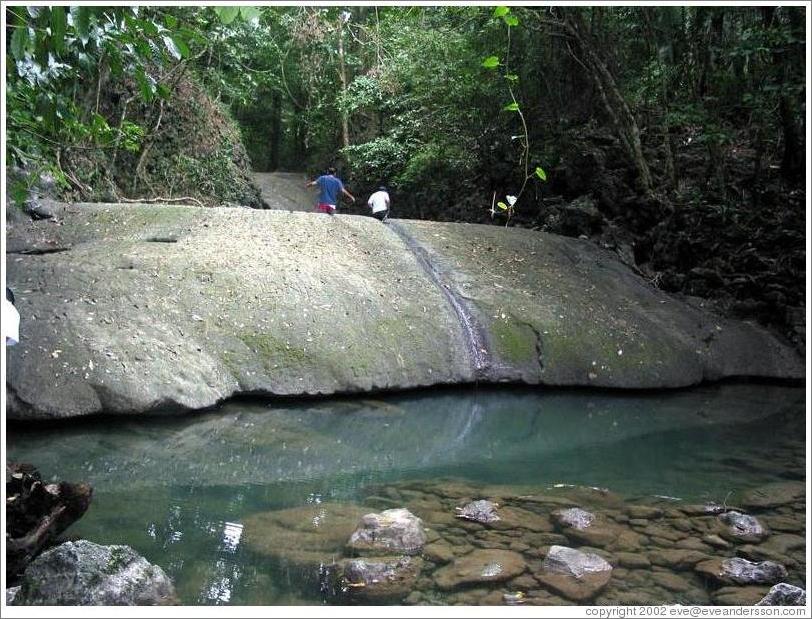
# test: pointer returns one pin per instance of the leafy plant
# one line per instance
(505, 16)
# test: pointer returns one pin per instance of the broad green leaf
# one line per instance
(227, 14)
(149, 27)
(502, 206)
(82, 23)
(511, 20)
(59, 24)
(176, 46)
(163, 91)
(183, 48)
(501, 11)
(249, 12)
(541, 173)
(171, 21)
(146, 85)
(19, 43)
(491, 62)
(511, 107)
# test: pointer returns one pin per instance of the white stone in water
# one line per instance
(784, 594)
(393, 531)
(491, 570)
(479, 511)
(576, 517)
(746, 572)
(743, 525)
(569, 561)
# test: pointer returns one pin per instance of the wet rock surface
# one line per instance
(86, 574)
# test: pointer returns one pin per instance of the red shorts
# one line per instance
(326, 208)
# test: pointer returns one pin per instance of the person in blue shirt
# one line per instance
(330, 190)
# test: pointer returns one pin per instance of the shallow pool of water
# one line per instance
(184, 491)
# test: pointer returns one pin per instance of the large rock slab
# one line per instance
(86, 574)
(561, 311)
(149, 308)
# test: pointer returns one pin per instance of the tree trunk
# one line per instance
(618, 110)
(275, 131)
(342, 75)
(654, 49)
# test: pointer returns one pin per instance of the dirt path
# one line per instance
(285, 191)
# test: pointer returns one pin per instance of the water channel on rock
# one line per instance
(254, 502)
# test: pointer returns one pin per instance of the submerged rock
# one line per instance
(738, 595)
(578, 576)
(784, 594)
(736, 570)
(393, 531)
(480, 566)
(86, 574)
(479, 511)
(774, 494)
(379, 578)
(586, 528)
(438, 552)
(307, 536)
(742, 527)
(574, 517)
(676, 559)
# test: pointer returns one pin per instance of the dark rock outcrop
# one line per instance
(36, 513)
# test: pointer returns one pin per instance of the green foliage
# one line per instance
(59, 53)
(491, 62)
(379, 158)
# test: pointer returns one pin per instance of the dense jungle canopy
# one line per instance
(673, 135)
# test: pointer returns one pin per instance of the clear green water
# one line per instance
(177, 489)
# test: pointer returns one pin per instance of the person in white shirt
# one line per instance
(10, 320)
(379, 203)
